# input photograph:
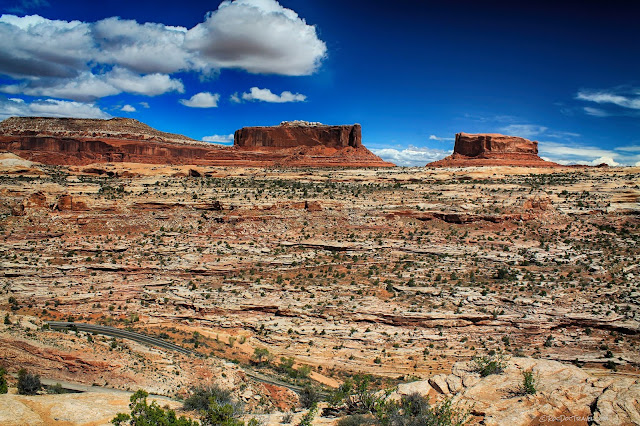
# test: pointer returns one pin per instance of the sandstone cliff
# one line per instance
(71, 141)
(493, 149)
(294, 134)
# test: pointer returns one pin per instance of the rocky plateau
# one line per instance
(72, 141)
(404, 274)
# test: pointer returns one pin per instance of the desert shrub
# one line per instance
(56, 389)
(28, 384)
(415, 410)
(143, 414)
(200, 398)
(489, 364)
(529, 382)
(375, 408)
(307, 419)
(4, 388)
(309, 396)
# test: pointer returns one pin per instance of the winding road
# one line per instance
(152, 341)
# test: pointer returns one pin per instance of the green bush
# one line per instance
(307, 419)
(200, 397)
(56, 389)
(216, 407)
(529, 383)
(28, 384)
(143, 414)
(374, 407)
(309, 396)
(489, 364)
(4, 388)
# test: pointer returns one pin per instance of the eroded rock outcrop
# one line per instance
(493, 149)
(70, 141)
(563, 393)
(299, 133)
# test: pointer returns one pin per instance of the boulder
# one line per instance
(439, 383)
(421, 387)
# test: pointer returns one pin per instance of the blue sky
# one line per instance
(412, 72)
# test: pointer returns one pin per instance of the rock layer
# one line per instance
(493, 149)
(294, 134)
(62, 141)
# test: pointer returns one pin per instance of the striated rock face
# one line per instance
(493, 149)
(293, 134)
(70, 141)
(492, 144)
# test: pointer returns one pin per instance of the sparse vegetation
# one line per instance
(28, 384)
(489, 364)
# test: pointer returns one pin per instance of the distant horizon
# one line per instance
(565, 75)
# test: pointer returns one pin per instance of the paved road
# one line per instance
(152, 341)
(118, 332)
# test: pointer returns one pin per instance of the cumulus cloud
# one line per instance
(265, 95)
(235, 98)
(202, 100)
(48, 108)
(259, 36)
(143, 48)
(219, 138)
(144, 104)
(88, 86)
(411, 156)
(61, 58)
(128, 108)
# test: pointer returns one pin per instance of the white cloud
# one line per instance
(596, 112)
(219, 138)
(128, 108)
(590, 155)
(621, 100)
(259, 36)
(235, 98)
(88, 60)
(202, 100)
(265, 95)
(88, 86)
(143, 48)
(438, 138)
(148, 85)
(49, 108)
(411, 156)
(631, 148)
(144, 104)
(524, 130)
(33, 46)
(618, 96)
